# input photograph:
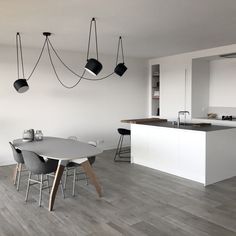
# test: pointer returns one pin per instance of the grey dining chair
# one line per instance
(75, 167)
(37, 166)
(19, 165)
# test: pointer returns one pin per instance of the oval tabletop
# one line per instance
(58, 148)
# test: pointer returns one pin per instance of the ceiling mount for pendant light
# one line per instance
(93, 65)
(120, 68)
(20, 84)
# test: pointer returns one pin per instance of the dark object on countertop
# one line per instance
(144, 120)
(120, 149)
(195, 124)
(227, 117)
(202, 124)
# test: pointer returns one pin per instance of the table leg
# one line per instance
(90, 173)
(56, 182)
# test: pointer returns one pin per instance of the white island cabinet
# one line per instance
(206, 155)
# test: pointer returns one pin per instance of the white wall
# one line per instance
(172, 87)
(200, 87)
(91, 111)
(222, 83)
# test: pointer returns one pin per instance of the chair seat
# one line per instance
(123, 131)
(74, 164)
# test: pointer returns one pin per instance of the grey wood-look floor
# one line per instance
(136, 201)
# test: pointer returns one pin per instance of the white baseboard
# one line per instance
(7, 163)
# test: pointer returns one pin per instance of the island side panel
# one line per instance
(221, 155)
(175, 151)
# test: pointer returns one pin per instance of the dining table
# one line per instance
(63, 150)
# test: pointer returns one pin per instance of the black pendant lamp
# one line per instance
(120, 68)
(20, 84)
(93, 66)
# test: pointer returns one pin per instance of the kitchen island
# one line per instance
(201, 152)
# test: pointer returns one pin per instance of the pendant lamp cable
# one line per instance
(96, 37)
(54, 69)
(120, 45)
(72, 71)
(19, 60)
(38, 60)
(19, 48)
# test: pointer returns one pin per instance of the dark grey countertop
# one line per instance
(194, 126)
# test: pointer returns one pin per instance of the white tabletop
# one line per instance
(58, 148)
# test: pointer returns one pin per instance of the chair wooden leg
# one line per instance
(90, 173)
(18, 177)
(15, 172)
(56, 182)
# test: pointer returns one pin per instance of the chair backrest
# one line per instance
(17, 154)
(37, 165)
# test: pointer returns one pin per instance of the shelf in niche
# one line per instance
(155, 97)
(156, 74)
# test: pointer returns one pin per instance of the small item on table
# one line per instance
(211, 115)
(38, 135)
(28, 135)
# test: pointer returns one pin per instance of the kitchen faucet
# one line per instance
(181, 113)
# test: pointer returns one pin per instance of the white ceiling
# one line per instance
(151, 28)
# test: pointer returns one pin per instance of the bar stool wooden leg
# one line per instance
(15, 172)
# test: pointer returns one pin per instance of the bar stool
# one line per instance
(120, 149)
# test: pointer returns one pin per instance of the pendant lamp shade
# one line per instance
(21, 85)
(120, 69)
(93, 66)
